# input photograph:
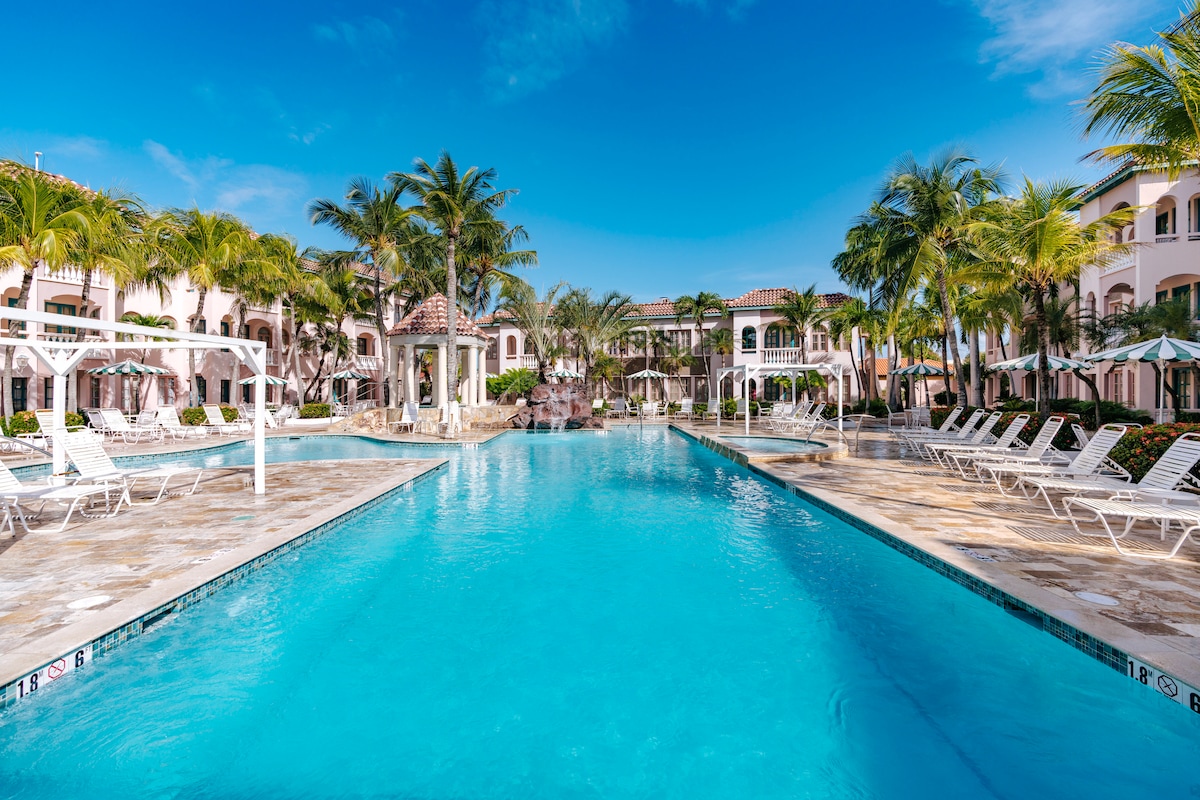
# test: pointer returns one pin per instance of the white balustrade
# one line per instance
(1120, 262)
(529, 362)
(72, 275)
(779, 355)
(369, 363)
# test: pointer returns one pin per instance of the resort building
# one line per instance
(759, 336)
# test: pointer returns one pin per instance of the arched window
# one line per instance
(510, 347)
(1194, 215)
(1126, 233)
(528, 347)
(491, 349)
(749, 338)
(264, 336)
(364, 346)
(1164, 219)
(780, 336)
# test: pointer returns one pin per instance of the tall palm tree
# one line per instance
(378, 225)
(204, 248)
(674, 358)
(489, 255)
(926, 212)
(452, 201)
(40, 221)
(802, 310)
(535, 318)
(1150, 96)
(1036, 243)
(695, 307)
(593, 323)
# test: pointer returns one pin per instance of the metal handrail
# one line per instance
(829, 424)
(10, 440)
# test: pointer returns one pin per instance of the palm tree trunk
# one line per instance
(893, 384)
(381, 330)
(14, 330)
(854, 365)
(1095, 393)
(976, 369)
(946, 366)
(948, 320)
(452, 320)
(294, 358)
(1043, 347)
(193, 395)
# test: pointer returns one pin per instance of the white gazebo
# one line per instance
(747, 372)
(61, 358)
(425, 329)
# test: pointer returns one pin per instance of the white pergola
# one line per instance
(63, 357)
(747, 372)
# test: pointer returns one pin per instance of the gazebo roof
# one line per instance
(429, 319)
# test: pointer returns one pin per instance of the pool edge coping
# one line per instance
(1015, 599)
(221, 571)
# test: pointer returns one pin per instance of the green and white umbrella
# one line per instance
(271, 380)
(565, 373)
(646, 373)
(128, 367)
(349, 375)
(919, 369)
(1029, 363)
(1161, 351)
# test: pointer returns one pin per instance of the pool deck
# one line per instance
(148, 556)
(1015, 547)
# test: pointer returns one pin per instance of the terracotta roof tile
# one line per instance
(429, 319)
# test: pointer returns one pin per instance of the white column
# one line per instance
(411, 387)
(481, 371)
(439, 377)
(468, 374)
(393, 376)
(260, 413)
(59, 406)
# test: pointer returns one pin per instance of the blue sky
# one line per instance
(660, 147)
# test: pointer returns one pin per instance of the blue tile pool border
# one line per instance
(1105, 653)
(106, 643)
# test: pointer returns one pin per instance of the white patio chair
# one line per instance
(13, 493)
(806, 424)
(1093, 460)
(940, 453)
(619, 409)
(1160, 483)
(408, 419)
(912, 440)
(1039, 451)
(1163, 515)
(86, 453)
(784, 423)
(980, 436)
(116, 423)
(168, 419)
(922, 428)
(215, 420)
(685, 408)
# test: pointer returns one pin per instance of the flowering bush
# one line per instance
(1139, 449)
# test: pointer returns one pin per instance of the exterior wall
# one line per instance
(62, 289)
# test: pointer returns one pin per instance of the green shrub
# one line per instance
(315, 411)
(196, 416)
(26, 422)
(1140, 448)
(699, 408)
(938, 414)
(729, 408)
(878, 408)
(514, 383)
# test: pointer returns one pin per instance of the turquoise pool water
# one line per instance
(621, 616)
(766, 444)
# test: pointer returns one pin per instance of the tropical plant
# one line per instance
(146, 321)
(453, 201)
(204, 248)
(1037, 242)
(534, 318)
(512, 383)
(40, 223)
(802, 310)
(593, 323)
(674, 358)
(489, 255)
(695, 307)
(377, 224)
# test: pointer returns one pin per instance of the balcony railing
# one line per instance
(72, 275)
(779, 355)
(1166, 239)
(273, 358)
(369, 363)
(529, 362)
(1122, 261)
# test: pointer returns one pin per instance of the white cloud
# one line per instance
(362, 34)
(530, 44)
(1054, 37)
(224, 184)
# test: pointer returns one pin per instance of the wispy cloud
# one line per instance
(221, 183)
(734, 8)
(530, 44)
(1052, 38)
(362, 35)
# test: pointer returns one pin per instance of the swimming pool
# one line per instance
(770, 444)
(596, 616)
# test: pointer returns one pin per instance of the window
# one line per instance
(780, 336)
(47, 392)
(201, 389)
(94, 392)
(166, 392)
(264, 336)
(528, 347)
(1181, 379)
(492, 349)
(1162, 223)
(1194, 215)
(682, 339)
(60, 308)
(202, 326)
(12, 303)
(749, 338)
(247, 396)
(225, 385)
(819, 339)
(511, 347)
(1160, 298)
(224, 328)
(364, 346)
(20, 393)
(1182, 294)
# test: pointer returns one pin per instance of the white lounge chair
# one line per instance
(116, 424)
(215, 420)
(1163, 515)
(619, 409)
(1091, 461)
(86, 453)
(980, 436)
(940, 453)
(1039, 451)
(947, 427)
(685, 408)
(408, 419)
(912, 440)
(168, 419)
(1159, 483)
(805, 424)
(13, 493)
(785, 421)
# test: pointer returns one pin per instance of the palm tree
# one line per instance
(489, 256)
(695, 307)
(534, 318)
(374, 220)
(452, 201)
(1148, 95)
(146, 321)
(593, 323)
(925, 213)
(674, 358)
(1036, 243)
(204, 248)
(802, 310)
(40, 222)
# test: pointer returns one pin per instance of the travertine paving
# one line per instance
(1015, 546)
(148, 555)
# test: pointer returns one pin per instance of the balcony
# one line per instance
(1166, 239)
(779, 355)
(1122, 261)
(529, 362)
(273, 358)
(72, 275)
(369, 363)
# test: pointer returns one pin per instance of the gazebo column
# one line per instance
(439, 379)
(412, 383)
(467, 385)
(481, 373)
(393, 376)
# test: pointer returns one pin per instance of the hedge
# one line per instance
(1140, 448)
(315, 411)
(196, 416)
(26, 422)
